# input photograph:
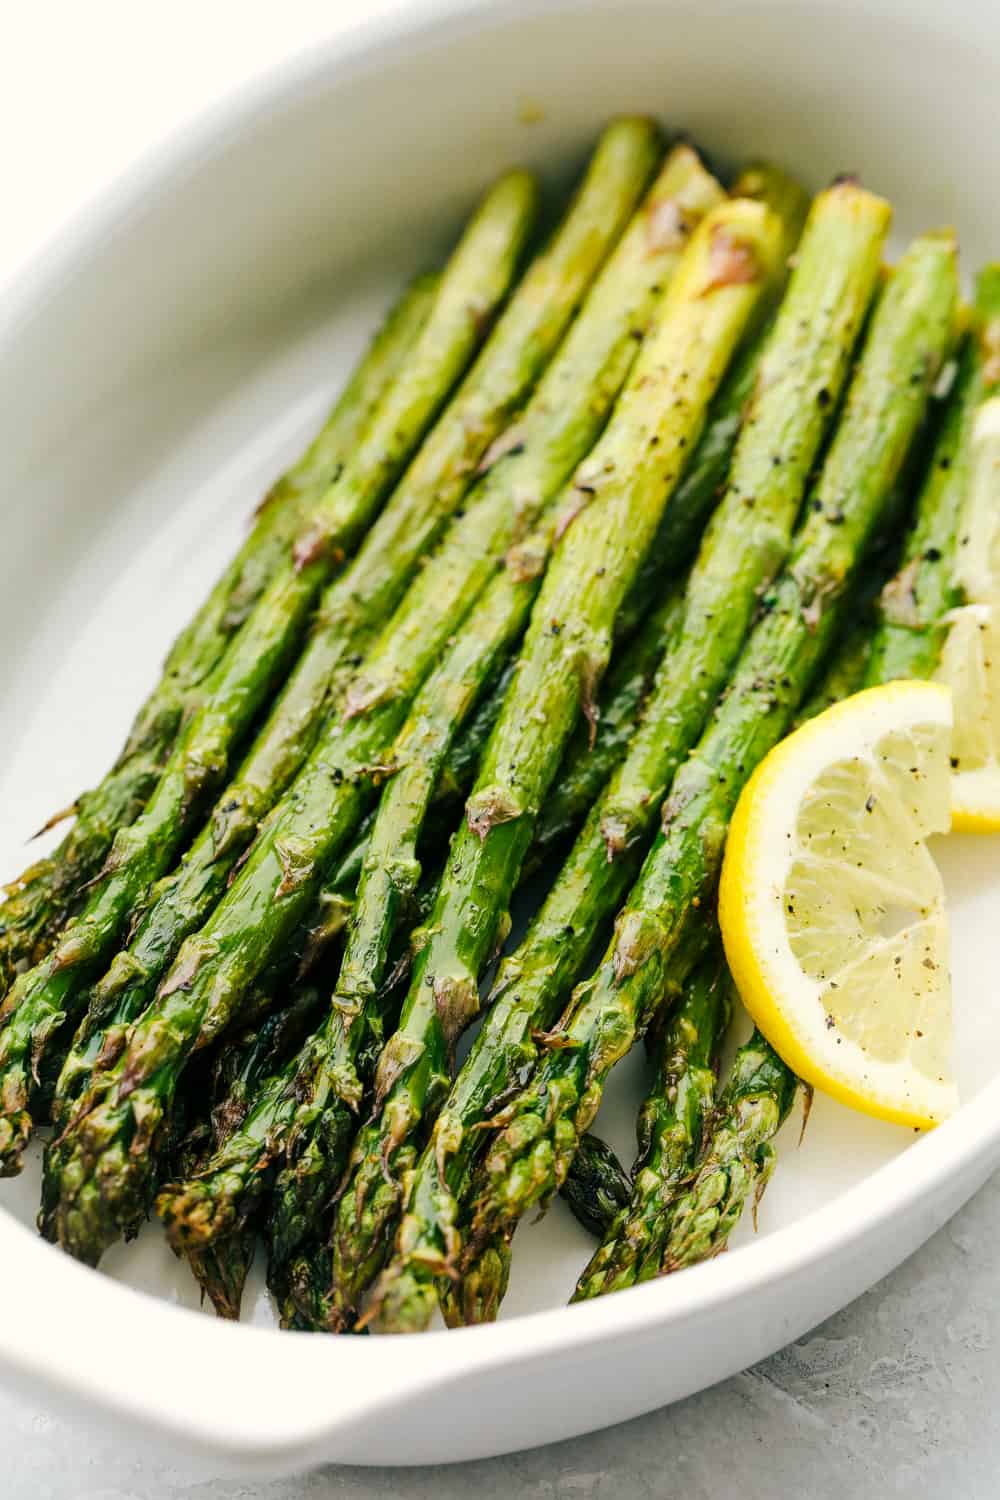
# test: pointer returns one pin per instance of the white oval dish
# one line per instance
(160, 365)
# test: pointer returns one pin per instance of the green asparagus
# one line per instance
(597, 1187)
(909, 340)
(40, 901)
(319, 1106)
(607, 521)
(671, 1128)
(801, 373)
(368, 591)
(586, 767)
(106, 1185)
(596, 1190)
(221, 1269)
(42, 999)
(737, 1162)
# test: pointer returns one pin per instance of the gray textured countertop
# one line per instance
(898, 1394)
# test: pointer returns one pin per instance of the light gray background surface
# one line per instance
(897, 1395)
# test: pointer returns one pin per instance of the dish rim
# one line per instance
(76, 1352)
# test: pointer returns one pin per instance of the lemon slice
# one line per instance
(977, 565)
(832, 909)
(970, 666)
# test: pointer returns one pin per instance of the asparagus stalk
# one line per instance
(221, 1269)
(597, 1187)
(607, 522)
(369, 590)
(912, 626)
(737, 1162)
(42, 898)
(907, 344)
(476, 1298)
(579, 389)
(299, 843)
(671, 1128)
(476, 278)
(801, 373)
(642, 626)
(586, 766)
(705, 475)
(845, 673)
(739, 1157)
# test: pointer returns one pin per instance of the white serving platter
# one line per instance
(159, 366)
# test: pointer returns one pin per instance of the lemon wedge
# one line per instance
(970, 667)
(970, 661)
(977, 563)
(832, 908)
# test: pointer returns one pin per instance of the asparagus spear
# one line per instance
(739, 1157)
(476, 278)
(614, 508)
(912, 625)
(42, 898)
(221, 1269)
(476, 1298)
(708, 466)
(846, 671)
(597, 1187)
(907, 343)
(305, 835)
(671, 1129)
(369, 590)
(586, 766)
(801, 373)
(318, 1105)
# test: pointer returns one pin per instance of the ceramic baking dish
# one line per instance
(160, 364)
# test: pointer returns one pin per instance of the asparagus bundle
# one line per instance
(907, 641)
(908, 341)
(474, 282)
(802, 370)
(367, 592)
(43, 897)
(671, 1128)
(308, 831)
(608, 521)
(221, 1270)
(312, 1108)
